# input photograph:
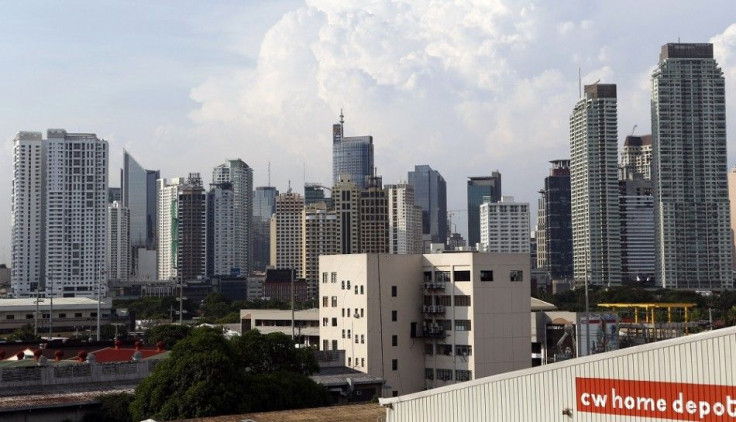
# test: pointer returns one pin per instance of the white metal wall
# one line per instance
(542, 393)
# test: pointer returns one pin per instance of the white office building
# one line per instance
(404, 220)
(240, 175)
(594, 185)
(504, 226)
(59, 209)
(287, 231)
(167, 208)
(424, 321)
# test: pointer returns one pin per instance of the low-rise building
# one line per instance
(65, 314)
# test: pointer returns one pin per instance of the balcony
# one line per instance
(434, 331)
(434, 285)
(433, 309)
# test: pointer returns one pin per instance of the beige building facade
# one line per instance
(424, 321)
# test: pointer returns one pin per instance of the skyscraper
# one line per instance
(118, 242)
(351, 155)
(287, 229)
(478, 188)
(373, 217)
(320, 237)
(264, 205)
(138, 194)
(167, 207)
(637, 155)
(346, 196)
(594, 181)
(404, 220)
(220, 234)
(691, 207)
(504, 226)
(636, 207)
(59, 213)
(554, 234)
(240, 175)
(430, 193)
(192, 226)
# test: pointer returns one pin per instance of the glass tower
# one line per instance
(351, 155)
(430, 193)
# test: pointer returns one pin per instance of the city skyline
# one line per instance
(265, 83)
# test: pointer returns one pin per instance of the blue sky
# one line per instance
(466, 87)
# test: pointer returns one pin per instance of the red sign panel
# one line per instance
(664, 400)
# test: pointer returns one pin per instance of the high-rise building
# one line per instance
(286, 232)
(118, 242)
(554, 223)
(594, 181)
(346, 197)
(504, 226)
(28, 212)
(636, 207)
(315, 193)
(264, 205)
(430, 193)
(425, 321)
(192, 221)
(59, 214)
(138, 194)
(167, 207)
(220, 234)
(637, 154)
(478, 189)
(732, 200)
(404, 220)
(320, 237)
(240, 175)
(691, 207)
(373, 217)
(351, 155)
(114, 194)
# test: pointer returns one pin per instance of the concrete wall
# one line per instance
(82, 373)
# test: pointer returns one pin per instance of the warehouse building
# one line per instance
(689, 378)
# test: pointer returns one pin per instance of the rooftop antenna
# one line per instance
(342, 117)
(289, 190)
(580, 83)
(269, 173)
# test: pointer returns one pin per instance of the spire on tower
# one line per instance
(342, 118)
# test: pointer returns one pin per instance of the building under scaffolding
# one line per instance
(641, 323)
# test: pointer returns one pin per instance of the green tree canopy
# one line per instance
(170, 334)
(206, 375)
(24, 333)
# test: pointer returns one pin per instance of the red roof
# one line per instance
(122, 355)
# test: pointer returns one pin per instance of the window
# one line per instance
(349, 361)
(333, 277)
(343, 333)
(343, 312)
(356, 339)
(394, 340)
(11, 316)
(334, 301)
(444, 349)
(361, 290)
(442, 276)
(444, 374)
(486, 275)
(29, 316)
(325, 301)
(78, 315)
(462, 325)
(394, 316)
(334, 344)
(325, 345)
(516, 275)
(348, 285)
(463, 375)
(444, 300)
(324, 278)
(348, 333)
(342, 285)
(356, 290)
(393, 291)
(362, 339)
(361, 312)
(463, 275)
(394, 364)
(325, 322)
(93, 314)
(334, 322)
(462, 300)
(429, 349)
(428, 373)
(395, 393)
(62, 315)
(362, 362)
(463, 350)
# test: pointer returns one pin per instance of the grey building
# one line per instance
(351, 155)
(554, 223)
(430, 193)
(240, 176)
(594, 185)
(138, 194)
(191, 229)
(478, 188)
(264, 205)
(691, 206)
(636, 208)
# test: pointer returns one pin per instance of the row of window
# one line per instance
(446, 349)
(446, 374)
(46, 315)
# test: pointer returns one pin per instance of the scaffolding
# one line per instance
(654, 324)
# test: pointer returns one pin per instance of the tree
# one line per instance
(113, 408)
(24, 333)
(206, 375)
(109, 331)
(170, 334)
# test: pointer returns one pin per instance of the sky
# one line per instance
(467, 87)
